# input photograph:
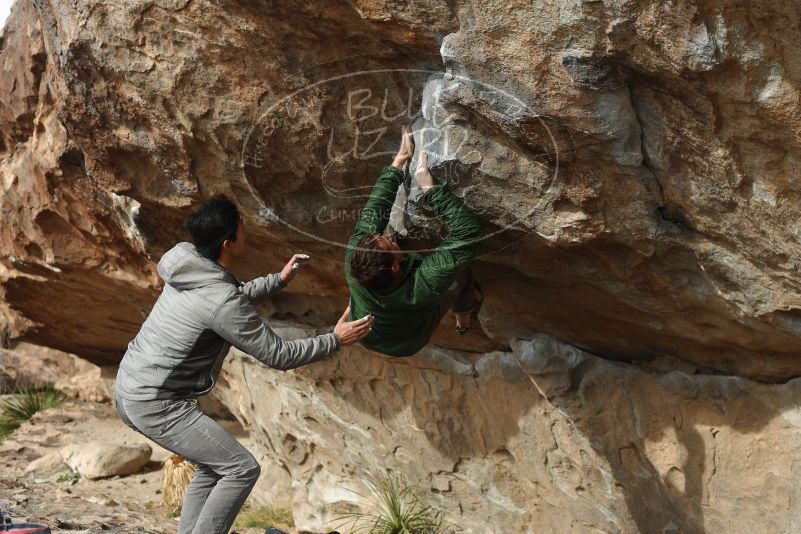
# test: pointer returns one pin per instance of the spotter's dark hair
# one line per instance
(370, 265)
(214, 222)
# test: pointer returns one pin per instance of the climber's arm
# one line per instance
(438, 271)
(375, 215)
(272, 283)
(264, 286)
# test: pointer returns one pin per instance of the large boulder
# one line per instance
(632, 162)
(32, 366)
(100, 459)
(543, 438)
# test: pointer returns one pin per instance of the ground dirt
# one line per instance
(68, 504)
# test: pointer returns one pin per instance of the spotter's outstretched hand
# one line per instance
(293, 266)
(350, 332)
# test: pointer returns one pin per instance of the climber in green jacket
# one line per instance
(408, 294)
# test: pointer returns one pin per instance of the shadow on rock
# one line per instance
(689, 453)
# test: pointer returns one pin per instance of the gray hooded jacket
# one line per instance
(201, 312)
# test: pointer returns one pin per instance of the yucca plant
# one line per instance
(393, 509)
(5, 429)
(23, 404)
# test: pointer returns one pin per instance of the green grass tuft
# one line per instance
(395, 509)
(21, 407)
(67, 477)
(263, 517)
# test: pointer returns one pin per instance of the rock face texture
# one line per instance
(63, 239)
(29, 366)
(542, 438)
(633, 164)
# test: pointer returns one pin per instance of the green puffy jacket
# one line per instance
(407, 311)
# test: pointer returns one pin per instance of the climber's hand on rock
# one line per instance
(350, 332)
(406, 149)
(422, 175)
(293, 266)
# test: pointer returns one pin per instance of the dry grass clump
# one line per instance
(176, 474)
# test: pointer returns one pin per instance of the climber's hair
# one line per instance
(370, 265)
(214, 222)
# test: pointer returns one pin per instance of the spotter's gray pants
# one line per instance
(226, 471)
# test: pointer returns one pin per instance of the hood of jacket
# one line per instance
(182, 267)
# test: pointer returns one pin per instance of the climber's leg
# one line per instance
(465, 302)
(460, 298)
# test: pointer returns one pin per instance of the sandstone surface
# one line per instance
(633, 164)
(542, 438)
(100, 459)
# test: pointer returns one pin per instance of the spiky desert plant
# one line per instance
(393, 508)
(176, 474)
(23, 405)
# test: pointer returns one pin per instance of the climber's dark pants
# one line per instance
(226, 471)
(460, 297)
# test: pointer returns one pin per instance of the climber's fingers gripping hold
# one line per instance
(407, 141)
(422, 175)
(406, 149)
(350, 332)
